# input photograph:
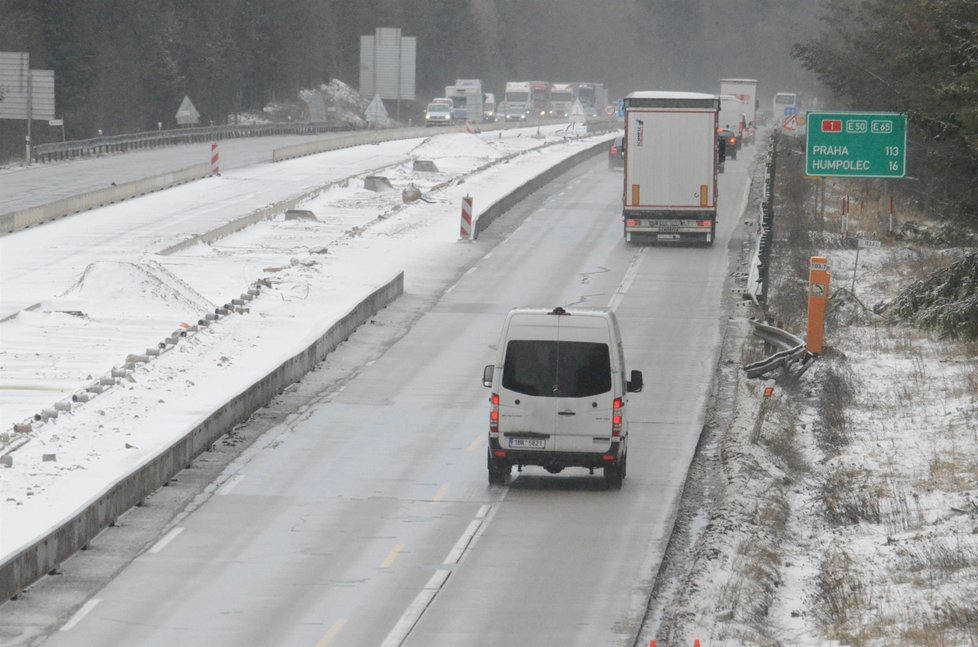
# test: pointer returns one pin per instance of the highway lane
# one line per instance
(22, 187)
(372, 506)
(127, 231)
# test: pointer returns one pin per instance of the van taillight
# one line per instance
(614, 150)
(616, 418)
(494, 414)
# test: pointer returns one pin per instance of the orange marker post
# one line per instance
(818, 297)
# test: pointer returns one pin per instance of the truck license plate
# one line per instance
(527, 443)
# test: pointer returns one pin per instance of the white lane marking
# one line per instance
(471, 269)
(451, 288)
(170, 536)
(489, 255)
(455, 553)
(81, 613)
(227, 487)
(626, 282)
(415, 610)
(483, 511)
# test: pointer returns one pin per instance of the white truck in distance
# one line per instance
(561, 99)
(517, 100)
(467, 95)
(670, 189)
(739, 97)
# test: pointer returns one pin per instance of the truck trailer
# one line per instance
(467, 95)
(739, 97)
(670, 189)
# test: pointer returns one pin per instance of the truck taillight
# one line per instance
(631, 223)
(614, 150)
(704, 223)
(616, 417)
(494, 414)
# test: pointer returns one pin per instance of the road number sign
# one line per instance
(856, 144)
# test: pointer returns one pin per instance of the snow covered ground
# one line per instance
(121, 304)
(849, 515)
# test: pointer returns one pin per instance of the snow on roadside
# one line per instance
(849, 516)
(317, 270)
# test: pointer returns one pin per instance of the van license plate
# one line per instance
(527, 443)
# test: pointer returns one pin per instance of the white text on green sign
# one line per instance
(856, 144)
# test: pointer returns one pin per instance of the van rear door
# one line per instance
(585, 385)
(527, 408)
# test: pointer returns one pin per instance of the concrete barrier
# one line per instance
(39, 558)
(17, 220)
(504, 204)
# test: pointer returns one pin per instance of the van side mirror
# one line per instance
(487, 375)
(635, 384)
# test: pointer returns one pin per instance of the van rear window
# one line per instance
(557, 369)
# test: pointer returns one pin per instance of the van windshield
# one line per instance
(557, 369)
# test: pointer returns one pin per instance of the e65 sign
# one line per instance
(856, 144)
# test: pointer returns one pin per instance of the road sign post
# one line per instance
(856, 144)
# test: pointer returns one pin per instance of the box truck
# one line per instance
(670, 190)
(467, 95)
(739, 102)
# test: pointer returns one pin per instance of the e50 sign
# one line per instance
(856, 144)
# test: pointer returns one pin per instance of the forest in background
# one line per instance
(124, 65)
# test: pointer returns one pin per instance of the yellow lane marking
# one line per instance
(335, 629)
(476, 443)
(391, 556)
(440, 494)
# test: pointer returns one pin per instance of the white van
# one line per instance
(489, 107)
(559, 393)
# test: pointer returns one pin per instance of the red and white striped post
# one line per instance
(215, 157)
(466, 232)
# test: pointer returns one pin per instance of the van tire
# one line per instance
(613, 476)
(498, 470)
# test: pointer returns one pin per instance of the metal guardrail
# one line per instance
(757, 278)
(157, 138)
(792, 351)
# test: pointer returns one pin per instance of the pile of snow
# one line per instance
(129, 290)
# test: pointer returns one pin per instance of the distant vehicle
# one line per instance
(616, 153)
(517, 98)
(539, 97)
(730, 142)
(515, 112)
(785, 105)
(670, 187)
(559, 394)
(460, 115)
(438, 113)
(467, 96)
(489, 107)
(450, 103)
(593, 97)
(561, 99)
(744, 93)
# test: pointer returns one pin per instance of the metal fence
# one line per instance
(158, 138)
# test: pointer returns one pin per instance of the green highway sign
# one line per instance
(856, 144)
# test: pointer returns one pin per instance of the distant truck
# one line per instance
(593, 97)
(739, 97)
(539, 97)
(517, 99)
(561, 99)
(467, 94)
(489, 107)
(670, 189)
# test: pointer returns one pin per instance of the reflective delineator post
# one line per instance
(215, 157)
(466, 232)
(818, 297)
